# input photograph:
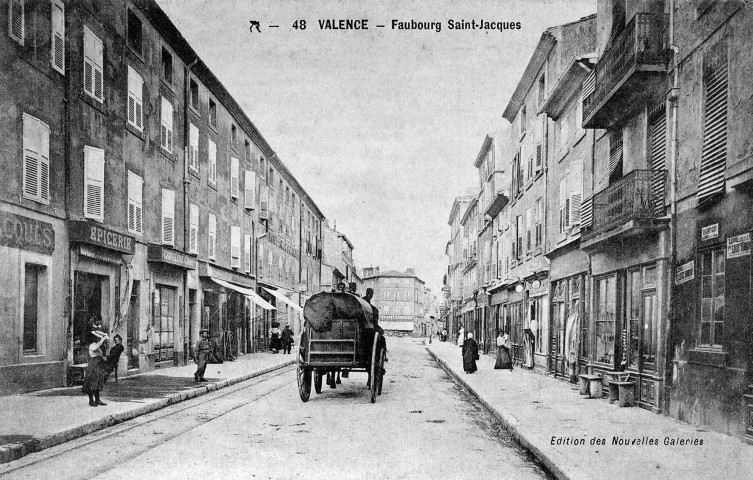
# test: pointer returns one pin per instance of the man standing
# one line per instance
(287, 339)
(201, 355)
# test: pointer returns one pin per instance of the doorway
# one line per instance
(89, 290)
(164, 324)
(132, 328)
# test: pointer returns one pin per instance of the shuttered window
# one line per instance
(193, 241)
(263, 202)
(94, 183)
(574, 208)
(615, 156)
(36, 160)
(135, 104)
(135, 205)
(529, 226)
(235, 246)
(57, 34)
(234, 173)
(250, 187)
(212, 156)
(193, 146)
(714, 152)
(658, 129)
(166, 130)
(16, 20)
(168, 217)
(247, 252)
(539, 215)
(563, 217)
(212, 245)
(93, 60)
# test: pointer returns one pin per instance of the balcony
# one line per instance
(633, 205)
(629, 72)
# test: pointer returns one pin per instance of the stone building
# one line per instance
(337, 261)
(400, 298)
(455, 250)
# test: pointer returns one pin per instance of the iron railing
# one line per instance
(639, 195)
(642, 42)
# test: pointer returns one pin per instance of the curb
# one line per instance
(18, 450)
(509, 424)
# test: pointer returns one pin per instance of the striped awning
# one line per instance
(253, 296)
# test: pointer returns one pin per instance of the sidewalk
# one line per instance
(539, 410)
(42, 419)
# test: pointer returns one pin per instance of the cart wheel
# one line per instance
(318, 381)
(380, 372)
(304, 379)
(374, 367)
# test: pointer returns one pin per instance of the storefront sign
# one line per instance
(738, 246)
(86, 232)
(712, 231)
(158, 253)
(26, 233)
(685, 273)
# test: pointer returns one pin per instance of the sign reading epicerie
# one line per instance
(92, 234)
(26, 233)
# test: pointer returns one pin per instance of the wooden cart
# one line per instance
(339, 334)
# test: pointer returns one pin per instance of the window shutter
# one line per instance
(658, 119)
(529, 224)
(247, 257)
(539, 158)
(193, 241)
(263, 202)
(94, 183)
(36, 160)
(212, 236)
(615, 156)
(135, 91)
(93, 53)
(575, 200)
(212, 155)
(16, 20)
(57, 54)
(562, 202)
(234, 177)
(714, 152)
(235, 247)
(168, 216)
(167, 125)
(193, 149)
(135, 209)
(250, 187)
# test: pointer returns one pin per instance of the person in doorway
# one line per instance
(274, 342)
(114, 356)
(504, 359)
(201, 355)
(470, 354)
(287, 339)
(96, 372)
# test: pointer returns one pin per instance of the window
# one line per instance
(212, 113)
(93, 59)
(262, 169)
(563, 205)
(167, 67)
(573, 207)
(519, 235)
(712, 298)
(36, 160)
(247, 152)
(135, 205)
(523, 120)
(135, 91)
(539, 214)
(167, 126)
(168, 217)
(615, 156)
(606, 315)
(234, 172)
(529, 169)
(16, 20)
(212, 236)
(94, 183)
(529, 226)
(193, 89)
(235, 246)
(564, 130)
(193, 146)
(247, 246)
(250, 187)
(233, 136)
(193, 241)
(32, 280)
(714, 150)
(57, 52)
(212, 157)
(134, 33)
(541, 93)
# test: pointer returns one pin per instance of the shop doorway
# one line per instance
(89, 290)
(164, 324)
(132, 328)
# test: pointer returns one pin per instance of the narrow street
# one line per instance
(423, 426)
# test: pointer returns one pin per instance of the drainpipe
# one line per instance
(186, 209)
(70, 307)
(672, 100)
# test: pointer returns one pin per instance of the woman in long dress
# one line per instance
(96, 371)
(275, 344)
(470, 354)
(504, 360)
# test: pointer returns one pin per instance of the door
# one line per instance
(164, 325)
(649, 320)
(132, 328)
(87, 302)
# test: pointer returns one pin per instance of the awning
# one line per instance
(254, 297)
(281, 297)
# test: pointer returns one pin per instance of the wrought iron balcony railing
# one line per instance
(639, 195)
(642, 44)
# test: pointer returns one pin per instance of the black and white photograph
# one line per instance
(366, 239)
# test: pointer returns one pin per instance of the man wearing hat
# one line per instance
(201, 355)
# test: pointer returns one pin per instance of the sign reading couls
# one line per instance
(17, 231)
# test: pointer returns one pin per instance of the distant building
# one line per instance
(337, 260)
(399, 297)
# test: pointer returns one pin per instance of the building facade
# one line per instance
(456, 250)
(338, 265)
(400, 298)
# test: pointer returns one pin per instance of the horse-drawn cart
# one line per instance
(340, 334)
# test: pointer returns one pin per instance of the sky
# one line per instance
(382, 126)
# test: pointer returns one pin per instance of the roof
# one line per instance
(567, 85)
(456, 205)
(342, 235)
(482, 153)
(468, 210)
(395, 273)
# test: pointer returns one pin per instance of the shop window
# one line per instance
(606, 317)
(167, 69)
(712, 298)
(32, 281)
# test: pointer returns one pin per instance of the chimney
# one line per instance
(410, 271)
